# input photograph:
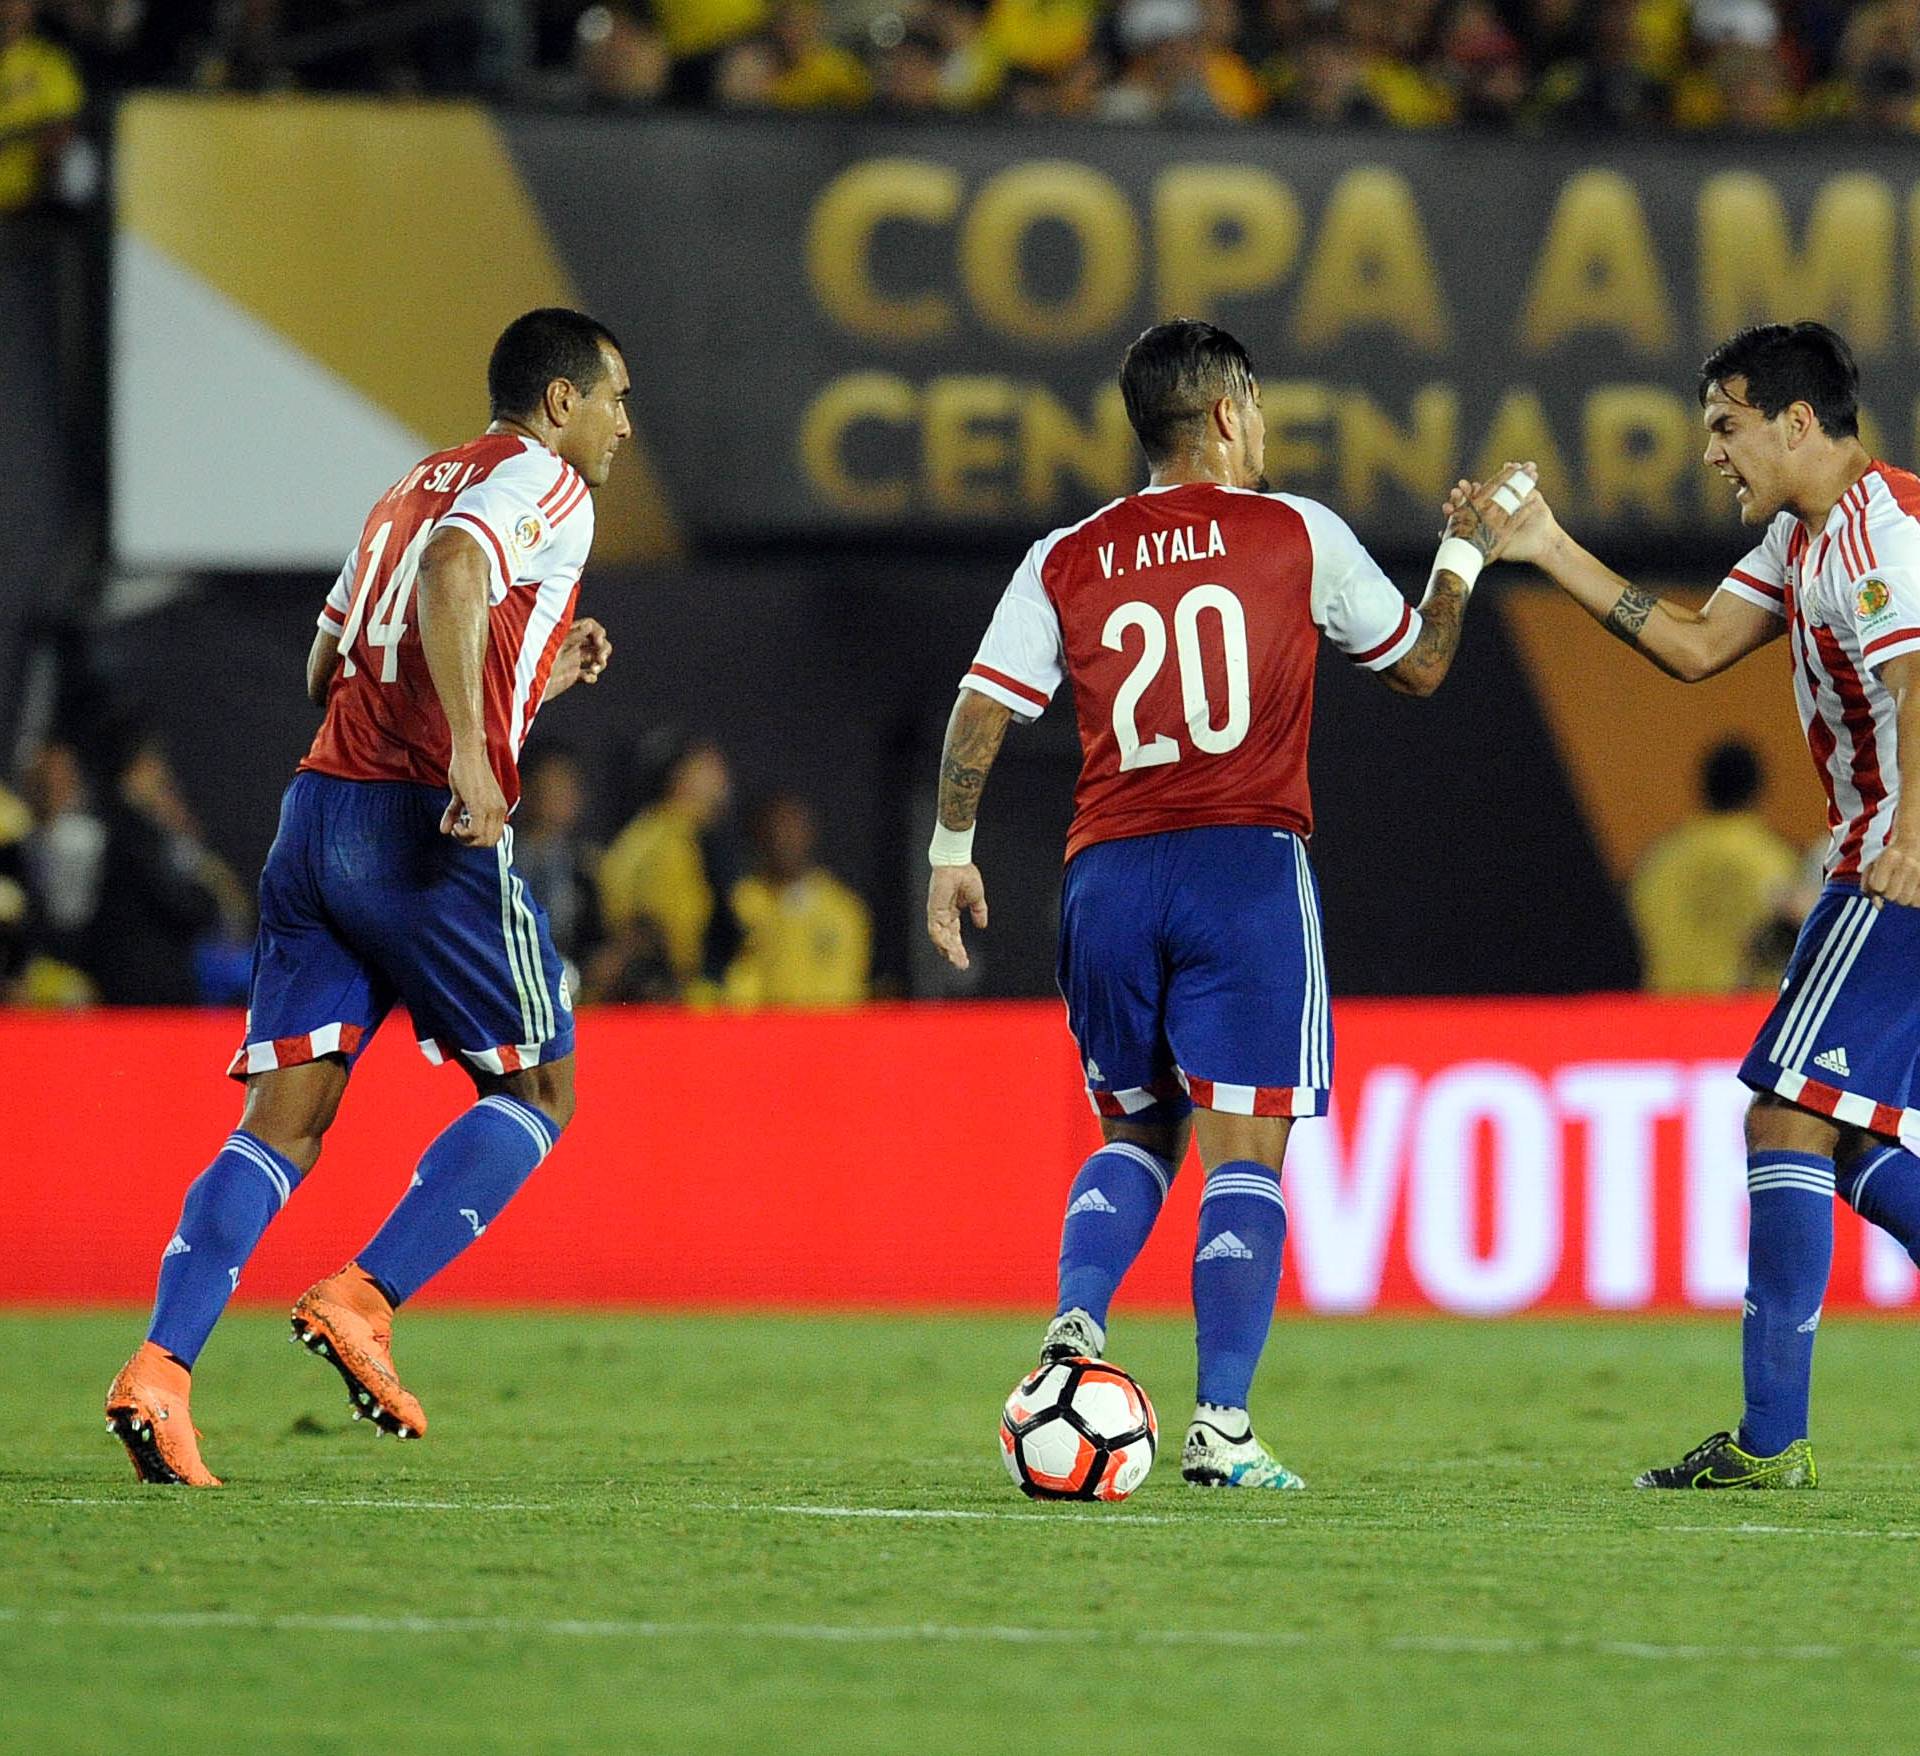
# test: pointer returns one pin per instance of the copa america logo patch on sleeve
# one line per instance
(1872, 598)
(526, 534)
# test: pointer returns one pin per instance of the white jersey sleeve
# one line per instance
(333, 613)
(532, 516)
(1355, 605)
(1884, 600)
(1022, 660)
(1761, 577)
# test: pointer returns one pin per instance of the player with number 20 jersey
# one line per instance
(1188, 618)
(392, 880)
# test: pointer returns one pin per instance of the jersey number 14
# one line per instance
(387, 626)
(1209, 739)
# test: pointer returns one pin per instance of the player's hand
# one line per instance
(592, 647)
(477, 812)
(1485, 513)
(1894, 877)
(952, 889)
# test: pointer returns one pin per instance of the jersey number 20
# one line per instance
(1211, 740)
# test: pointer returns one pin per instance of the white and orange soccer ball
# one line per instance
(1078, 1429)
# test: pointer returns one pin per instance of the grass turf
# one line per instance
(652, 1533)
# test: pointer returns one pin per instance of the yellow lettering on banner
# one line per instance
(1520, 432)
(1641, 444)
(1220, 231)
(843, 404)
(1299, 414)
(1372, 267)
(1598, 270)
(840, 246)
(1373, 445)
(1101, 456)
(969, 436)
(1751, 272)
(1104, 229)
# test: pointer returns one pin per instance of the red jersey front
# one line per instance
(532, 516)
(1189, 619)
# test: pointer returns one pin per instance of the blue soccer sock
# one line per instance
(1236, 1273)
(1789, 1255)
(229, 1205)
(470, 1172)
(1110, 1212)
(1882, 1185)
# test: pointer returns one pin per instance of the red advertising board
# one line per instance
(1483, 1157)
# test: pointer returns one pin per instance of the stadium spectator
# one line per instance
(16, 823)
(795, 65)
(617, 59)
(1706, 891)
(1599, 75)
(41, 98)
(1482, 64)
(64, 851)
(809, 938)
(158, 887)
(552, 851)
(1388, 35)
(669, 872)
(698, 34)
(1164, 70)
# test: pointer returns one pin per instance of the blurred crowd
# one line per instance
(1522, 65)
(111, 893)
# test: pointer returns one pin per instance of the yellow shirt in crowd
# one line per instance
(1700, 896)
(697, 27)
(39, 87)
(654, 869)
(808, 943)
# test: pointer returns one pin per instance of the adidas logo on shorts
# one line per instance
(1094, 1201)
(1225, 1248)
(1834, 1061)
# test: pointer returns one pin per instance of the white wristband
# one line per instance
(951, 847)
(1460, 558)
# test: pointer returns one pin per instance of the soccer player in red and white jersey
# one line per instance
(391, 879)
(1188, 617)
(1836, 1068)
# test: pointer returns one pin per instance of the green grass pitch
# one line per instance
(792, 1535)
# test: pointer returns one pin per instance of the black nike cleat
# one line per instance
(1717, 1462)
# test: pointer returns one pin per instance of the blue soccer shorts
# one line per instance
(364, 902)
(1843, 1039)
(1193, 972)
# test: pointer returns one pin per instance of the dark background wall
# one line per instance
(1452, 854)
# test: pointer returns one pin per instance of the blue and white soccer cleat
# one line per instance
(1212, 1459)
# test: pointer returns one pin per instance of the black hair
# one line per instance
(540, 346)
(1173, 374)
(1785, 363)
(1730, 776)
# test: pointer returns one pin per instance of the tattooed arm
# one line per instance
(974, 733)
(1689, 644)
(1474, 516)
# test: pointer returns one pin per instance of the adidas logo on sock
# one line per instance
(473, 1219)
(1225, 1248)
(1811, 1324)
(1835, 1061)
(179, 1247)
(1094, 1201)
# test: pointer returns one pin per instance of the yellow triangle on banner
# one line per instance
(389, 242)
(1633, 739)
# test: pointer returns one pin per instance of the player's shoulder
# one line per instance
(1891, 508)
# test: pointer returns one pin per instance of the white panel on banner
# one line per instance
(231, 447)
(1344, 1215)
(1715, 1266)
(1620, 1102)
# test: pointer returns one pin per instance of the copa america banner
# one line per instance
(853, 325)
(1484, 1158)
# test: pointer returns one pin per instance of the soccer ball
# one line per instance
(1078, 1430)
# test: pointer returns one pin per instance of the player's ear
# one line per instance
(1226, 418)
(561, 397)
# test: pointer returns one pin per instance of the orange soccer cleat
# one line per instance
(147, 1413)
(346, 1320)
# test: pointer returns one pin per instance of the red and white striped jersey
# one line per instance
(1189, 619)
(1851, 600)
(532, 516)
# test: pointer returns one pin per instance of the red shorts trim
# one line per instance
(278, 1052)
